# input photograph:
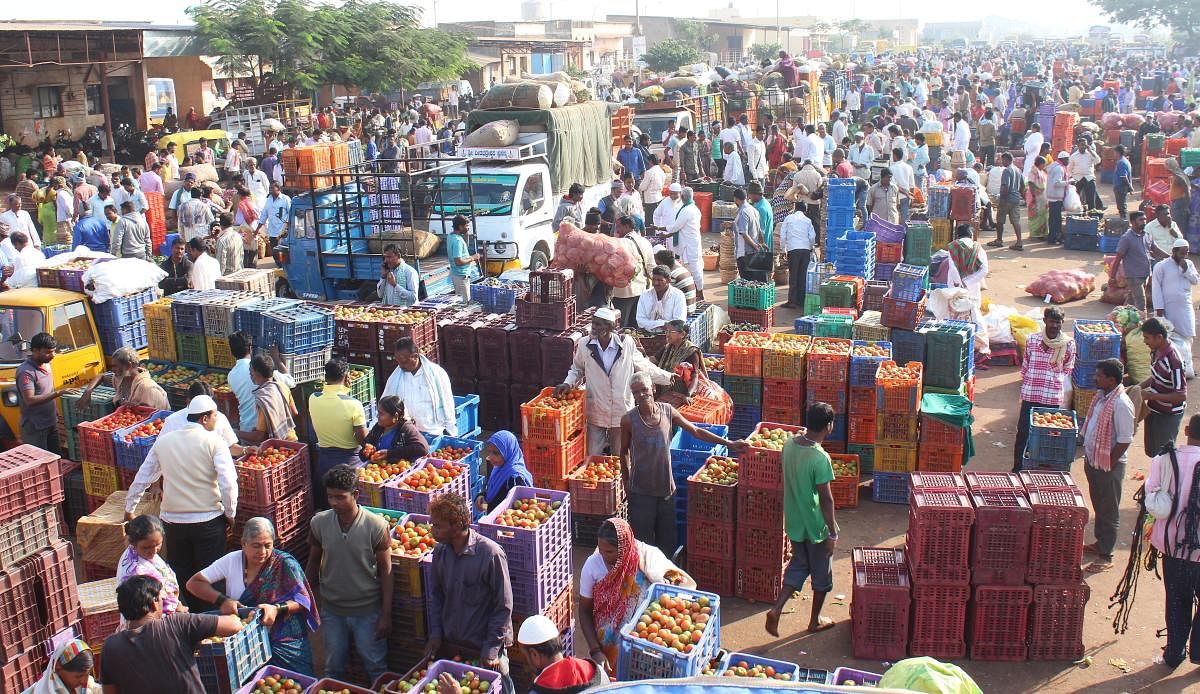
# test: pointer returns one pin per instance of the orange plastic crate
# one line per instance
(939, 458)
(554, 461)
(845, 487)
(545, 425)
(899, 394)
(744, 360)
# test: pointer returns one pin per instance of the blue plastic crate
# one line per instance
(132, 335)
(841, 194)
(1081, 225)
(1093, 347)
(733, 659)
(296, 330)
(839, 428)
(745, 419)
(1084, 376)
(889, 487)
(1081, 242)
(248, 317)
(689, 453)
(909, 282)
(498, 298)
(123, 310)
(225, 666)
(805, 325)
(52, 250)
(862, 369)
(1048, 445)
(883, 271)
(841, 219)
(472, 460)
(643, 660)
(1108, 244)
(466, 410)
(130, 455)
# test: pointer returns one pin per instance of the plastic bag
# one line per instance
(1022, 327)
(928, 675)
(1072, 203)
(998, 324)
(121, 277)
(1137, 356)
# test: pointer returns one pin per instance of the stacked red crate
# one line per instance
(880, 604)
(762, 547)
(1059, 596)
(939, 538)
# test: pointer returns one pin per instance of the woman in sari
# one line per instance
(272, 581)
(682, 357)
(132, 383)
(276, 411)
(69, 671)
(614, 580)
(506, 469)
(1035, 198)
(777, 148)
(145, 537)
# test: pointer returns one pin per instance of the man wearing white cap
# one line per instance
(1172, 281)
(608, 360)
(200, 492)
(1056, 193)
(685, 240)
(651, 187)
(557, 673)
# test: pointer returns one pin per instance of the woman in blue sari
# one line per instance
(506, 469)
(270, 580)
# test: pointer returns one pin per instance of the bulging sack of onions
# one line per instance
(603, 256)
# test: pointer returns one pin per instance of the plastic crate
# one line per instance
(1081, 225)
(1052, 444)
(759, 508)
(402, 498)
(551, 286)
(1056, 618)
(132, 335)
(263, 487)
(529, 548)
(1056, 537)
(909, 282)
(191, 348)
(217, 312)
(939, 535)
(38, 599)
(829, 367)
(1078, 242)
(122, 310)
(130, 454)
(845, 487)
(901, 395)
(226, 665)
(24, 535)
(302, 681)
(918, 243)
(837, 326)
(744, 359)
(99, 479)
(751, 316)
(790, 671)
(295, 330)
(784, 357)
(457, 670)
(744, 420)
(688, 453)
(899, 428)
(95, 438)
(551, 316)
(900, 314)
(1032, 480)
(743, 390)
(836, 293)
(939, 620)
(763, 467)
(708, 502)
(880, 607)
(863, 368)
(710, 539)
(554, 426)
(1091, 347)
(998, 618)
(889, 487)
(714, 575)
(595, 497)
(908, 345)
(533, 592)
(639, 660)
(939, 458)
(935, 432)
(850, 676)
(841, 193)
(832, 393)
(498, 298)
(1000, 539)
(812, 304)
(753, 295)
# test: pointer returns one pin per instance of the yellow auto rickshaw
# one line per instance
(188, 141)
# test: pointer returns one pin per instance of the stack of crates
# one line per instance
(1055, 554)
(303, 334)
(550, 303)
(121, 322)
(940, 519)
(827, 375)
(818, 274)
(1095, 340)
(103, 402)
(410, 573)
(101, 475)
(1062, 138)
(839, 211)
(217, 314)
(897, 400)
(39, 598)
(783, 378)
(865, 358)
(904, 304)
(688, 455)
(744, 361)
(281, 492)
(187, 313)
(1113, 229)
(880, 603)
(941, 444)
(754, 296)
(1082, 233)
(553, 437)
(712, 514)
(918, 243)
(763, 549)
(855, 254)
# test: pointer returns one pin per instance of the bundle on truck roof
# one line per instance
(578, 139)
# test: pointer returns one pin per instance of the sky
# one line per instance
(1067, 16)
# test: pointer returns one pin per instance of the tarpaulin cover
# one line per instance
(578, 140)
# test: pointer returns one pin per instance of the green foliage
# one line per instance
(1181, 16)
(575, 72)
(853, 26)
(695, 34)
(303, 44)
(669, 54)
(765, 51)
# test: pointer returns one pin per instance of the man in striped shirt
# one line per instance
(1049, 358)
(1165, 392)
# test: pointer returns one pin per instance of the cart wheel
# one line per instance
(538, 260)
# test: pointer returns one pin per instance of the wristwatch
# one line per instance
(283, 608)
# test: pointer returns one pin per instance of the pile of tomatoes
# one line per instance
(830, 345)
(267, 457)
(527, 513)
(573, 398)
(719, 469)
(118, 420)
(1053, 420)
(431, 477)
(677, 623)
(600, 468)
(412, 539)
(145, 431)
(873, 349)
(744, 669)
(451, 453)
(381, 471)
(891, 371)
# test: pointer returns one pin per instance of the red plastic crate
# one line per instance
(759, 508)
(1000, 539)
(758, 583)
(832, 447)
(937, 480)
(834, 394)
(1056, 622)
(880, 608)
(550, 286)
(793, 414)
(998, 621)
(752, 316)
(763, 467)
(599, 497)
(423, 332)
(557, 352)
(1056, 537)
(95, 438)
(709, 539)
(777, 393)
(933, 458)
(939, 620)
(829, 368)
(768, 547)
(491, 348)
(845, 487)
(24, 670)
(860, 429)
(289, 513)
(263, 487)
(1046, 479)
(904, 315)
(458, 338)
(939, 536)
(555, 461)
(743, 360)
(935, 431)
(862, 404)
(710, 502)
(981, 481)
(542, 424)
(29, 478)
(553, 316)
(38, 599)
(896, 427)
(715, 575)
(525, 355)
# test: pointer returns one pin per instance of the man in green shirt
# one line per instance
(808, 517)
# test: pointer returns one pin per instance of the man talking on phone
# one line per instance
(398, 281)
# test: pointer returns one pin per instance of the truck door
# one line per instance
(78, 357)
(304, 267)
(536, 215)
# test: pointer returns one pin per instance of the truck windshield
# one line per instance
(655, 127)
(19, 323)
(490, 194)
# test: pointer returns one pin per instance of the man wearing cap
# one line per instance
(607, 360)
(557, 673)
(1171, 283)
(1056, 193)
(685, 240)
(200, 491)
(608, 207)
(664, 211)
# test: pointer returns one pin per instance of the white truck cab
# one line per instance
(659, 125)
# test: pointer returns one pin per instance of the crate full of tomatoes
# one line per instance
(532, 525)
(412, 546)
(551, 419)
(596, 488)
(430, 478)
(96, 437)
(276, 469)
(674, 633)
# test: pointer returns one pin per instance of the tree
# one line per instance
(669, 54)
(695, 34)
(1182, 17)
(765, 52)
(853, 26)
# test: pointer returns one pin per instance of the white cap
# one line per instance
(609, 314)
(201, 404)
(536, 630)
(675, 188)
(1180, 243)
(1063, 155)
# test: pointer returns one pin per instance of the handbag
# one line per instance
(1160, 502)
(760, 261)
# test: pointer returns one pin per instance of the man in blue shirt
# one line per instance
(631, 159)
(370, 149)
(275, 213)
(398, 281)
(90, 231)
(462, 263)
(1122, 181)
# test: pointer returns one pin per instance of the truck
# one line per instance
(659, 119)
(249, 119)
(68, 317)
(566, 145)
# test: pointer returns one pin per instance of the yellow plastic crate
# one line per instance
(943, 231)
(160, 330)
(218, 352)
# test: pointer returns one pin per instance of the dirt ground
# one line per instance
(872, 524)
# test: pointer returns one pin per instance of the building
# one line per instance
(199, 81)
(67, 76)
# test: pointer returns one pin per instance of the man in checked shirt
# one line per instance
(1045, 368)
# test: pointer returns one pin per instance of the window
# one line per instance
(17, 325)
(534, 195)
(47, 102)
(72, 330)
(95, 105)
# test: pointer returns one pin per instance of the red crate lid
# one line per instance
(999, 498)
(942, 504)
(881, 576)
(993, 480)
(1047, 479)
(937, 480)
(878, 556)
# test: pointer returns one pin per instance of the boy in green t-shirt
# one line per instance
(808, 517)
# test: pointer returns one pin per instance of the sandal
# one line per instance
(1089, 548)
(1098, 566)
(995, 244)
(1017, 247)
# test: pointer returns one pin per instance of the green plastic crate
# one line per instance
(753, 295)
(812, 304)
(191, 349)
(361, 388)
(836, 294)
(1189, 157)
(834, 326)
(102, 404)
(918, 244)
(866, 456)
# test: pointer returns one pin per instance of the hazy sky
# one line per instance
(1064, 16)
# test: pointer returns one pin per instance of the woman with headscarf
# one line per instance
(1181, 194)
(683, 358)
(506, 469)
(69, 671)
(613, 582)
(1035, 198)
(272, 581)
(145, 537)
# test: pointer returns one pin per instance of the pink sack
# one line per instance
(1132, 121)
(1111, 121)
(1063, 285)
(607, 258)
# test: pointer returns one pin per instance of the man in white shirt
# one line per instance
(684, 228)
(905, 180)
(127, 192)
(257, 182)
(17, 219)
(651, 187)
(1032, 147)
(840, 129)
(876, 140)
(854, 102)
(756, 155)
(422, 136)
(745, 136)
(196, 512)
(729, 134)
(664, 213)
(816, 145)
(861, 156)
(660, 303)
(1081, 168)
(828, 144)
(1056, 192)
(27, 256)
(205, 268)
(960, 140)
(424, 388)
(733, 166)
(178, 420)
(797, 236)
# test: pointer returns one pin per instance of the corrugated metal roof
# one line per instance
(169, 44)
(86, 25)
